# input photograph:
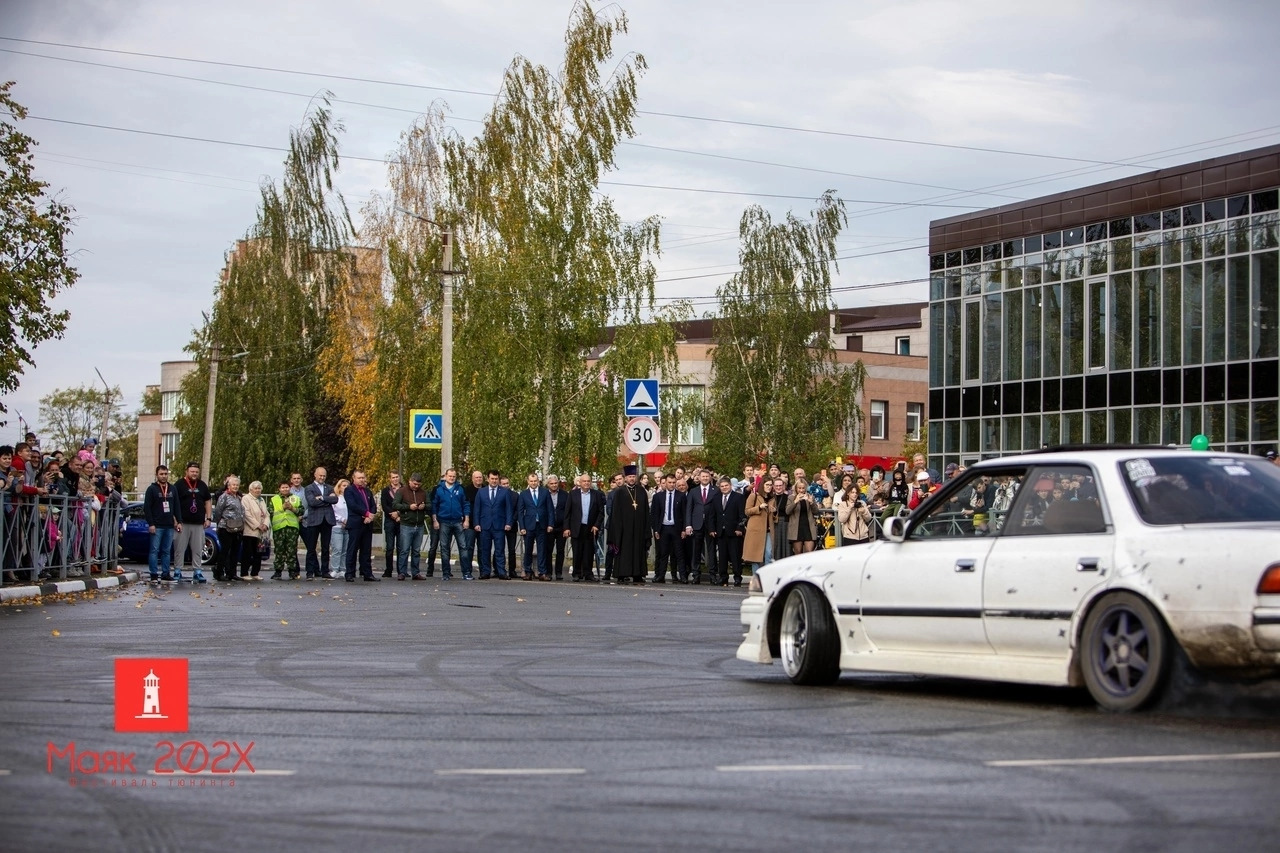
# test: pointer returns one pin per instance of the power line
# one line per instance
(337, 100)
(383, 161)
(682, 116)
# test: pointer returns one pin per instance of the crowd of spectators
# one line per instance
(60, 511)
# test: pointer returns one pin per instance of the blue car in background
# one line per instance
(135, 539)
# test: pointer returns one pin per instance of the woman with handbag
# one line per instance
(228, 514)
(257, 521)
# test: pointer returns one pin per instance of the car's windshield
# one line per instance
(1203, 489)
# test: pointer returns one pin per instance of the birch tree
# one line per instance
(778, 390)
(549, 261)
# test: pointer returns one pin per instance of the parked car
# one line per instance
(1096, 567)
(135, 539)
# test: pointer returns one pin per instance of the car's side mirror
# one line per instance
(895, 528)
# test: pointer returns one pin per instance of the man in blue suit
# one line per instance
(491, 518)
(666, 519)
(533, 517)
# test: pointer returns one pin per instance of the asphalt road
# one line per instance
(540, 716)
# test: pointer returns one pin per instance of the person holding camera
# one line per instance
(802, 526)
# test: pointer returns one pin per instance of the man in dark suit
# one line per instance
(728, 520)
(319, 499)
(533, 518)
(390, 523)
(697, 513)
(666, 520)
(491, 518)
(586, 514)
(360, 513)
(559, 509)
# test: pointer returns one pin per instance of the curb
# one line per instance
(14, 593)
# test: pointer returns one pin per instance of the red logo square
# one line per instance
(151, 694)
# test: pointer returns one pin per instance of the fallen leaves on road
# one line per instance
(284, 621)
(57, 633)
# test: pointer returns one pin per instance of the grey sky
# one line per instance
(1095, 80)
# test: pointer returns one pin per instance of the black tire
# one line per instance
(807, 641)
(1125, 652)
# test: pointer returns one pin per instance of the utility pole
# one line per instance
(208, 410)
(446, 341)
(446, 370)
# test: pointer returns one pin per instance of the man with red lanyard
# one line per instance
(359, 528)
(193, 499)
(158, 505)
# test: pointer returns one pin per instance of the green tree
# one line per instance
(550, 263)
(272, 319)
(778, 389)
(70, 415)
(34, 260)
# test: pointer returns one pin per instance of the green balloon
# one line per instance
(1200, 442)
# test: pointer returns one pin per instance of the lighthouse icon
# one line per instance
(151, 698)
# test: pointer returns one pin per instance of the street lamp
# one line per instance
(446, 341)
(106, 414)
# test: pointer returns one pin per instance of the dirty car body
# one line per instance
(1105, 568)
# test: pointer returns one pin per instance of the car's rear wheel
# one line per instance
(807, 638)
(1126, 652)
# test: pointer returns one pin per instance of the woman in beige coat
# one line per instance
(855, 519)
(759, 522)
(256, 524)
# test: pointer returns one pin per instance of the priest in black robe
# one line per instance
(629, 534)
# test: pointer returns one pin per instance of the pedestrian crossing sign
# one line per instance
(425, 429)
(640, 398)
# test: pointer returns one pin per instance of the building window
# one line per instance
(170, 405)
(168, 447)
(902, 345)
(915, 416)
(879, 427)
(686, 404)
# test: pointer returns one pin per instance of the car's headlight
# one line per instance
(755, 585)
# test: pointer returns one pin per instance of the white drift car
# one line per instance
(1090, 567)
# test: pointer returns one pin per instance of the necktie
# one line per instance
(704, 494)
(724, 502)
(670, 499)
(493, 493)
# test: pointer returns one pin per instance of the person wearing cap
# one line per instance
(951, 469)
(1271, 455)
(923, 488)
(629, 533)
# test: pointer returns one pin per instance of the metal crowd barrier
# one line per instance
(54, 537)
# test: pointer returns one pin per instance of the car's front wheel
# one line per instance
(1126, 652)
(807, 638)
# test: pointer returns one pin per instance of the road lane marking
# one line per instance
(513, 771)
(1133, 759)
(783, 768)
(5, 772)
(237, 775)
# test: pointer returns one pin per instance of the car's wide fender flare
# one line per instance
(773, 611)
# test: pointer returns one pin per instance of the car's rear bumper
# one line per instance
(1266, 628)
(755, 644)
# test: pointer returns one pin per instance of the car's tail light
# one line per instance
(755, 586)
(1270, 583)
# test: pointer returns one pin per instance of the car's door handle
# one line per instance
(964, 565)
(1087, 564)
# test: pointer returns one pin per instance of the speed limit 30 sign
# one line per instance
(641, 436)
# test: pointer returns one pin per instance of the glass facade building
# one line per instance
(1142, 310)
